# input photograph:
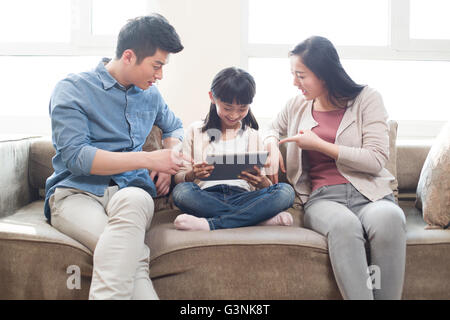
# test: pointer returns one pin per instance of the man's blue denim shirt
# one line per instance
(91, 111)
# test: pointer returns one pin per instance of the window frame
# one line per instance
(82, 42)
(401, 48)
(431, 47)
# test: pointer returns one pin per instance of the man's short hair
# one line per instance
(144, 35)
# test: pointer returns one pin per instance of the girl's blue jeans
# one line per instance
(226, 206)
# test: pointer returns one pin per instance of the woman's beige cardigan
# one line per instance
(362, 137)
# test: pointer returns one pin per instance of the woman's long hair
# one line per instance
(231, 85)
(320, 56)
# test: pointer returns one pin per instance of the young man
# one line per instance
(101, 192)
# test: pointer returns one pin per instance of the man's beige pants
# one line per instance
(113, 227)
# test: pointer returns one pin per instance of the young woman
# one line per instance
(337, 167)
(229, 128)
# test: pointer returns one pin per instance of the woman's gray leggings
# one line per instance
(348, 219)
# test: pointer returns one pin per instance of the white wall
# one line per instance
(210, 31)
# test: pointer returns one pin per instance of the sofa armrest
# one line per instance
(15, 189)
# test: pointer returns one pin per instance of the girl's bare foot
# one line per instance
(189, 222)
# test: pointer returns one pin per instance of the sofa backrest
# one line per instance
(411, 156)
(40, 163)
(409, 161)
(42, 152)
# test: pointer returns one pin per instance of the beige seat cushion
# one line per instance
(433, 190)
(427, 270)
(243, 263)
(278, 262)
(35, 258)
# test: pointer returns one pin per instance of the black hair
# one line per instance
(144, 35)
(320, 56)
(231, 85)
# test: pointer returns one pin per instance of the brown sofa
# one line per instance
(243, 263)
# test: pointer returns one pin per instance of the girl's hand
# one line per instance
(306, 140)
(257, 180)
(201, 170)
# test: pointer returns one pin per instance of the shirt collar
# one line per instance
(108, 80)
(105, 77)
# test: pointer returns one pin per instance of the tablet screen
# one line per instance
(229, 166)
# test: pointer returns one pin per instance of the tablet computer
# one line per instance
(229, 166)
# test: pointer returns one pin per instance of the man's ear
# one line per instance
(128, 57)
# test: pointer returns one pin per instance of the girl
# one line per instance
(230, 127)
(341, 139)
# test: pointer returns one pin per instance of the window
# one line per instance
(288, 21)
(107, 19)
(429, 19)
(39, 47)
(399, 47)
(80, 27)
(101, 20)
(30, 82)
(36, 21)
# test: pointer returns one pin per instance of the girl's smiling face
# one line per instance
(230, 114)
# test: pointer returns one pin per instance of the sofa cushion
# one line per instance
(35, 258)
(278, 262)
(411, 155)
(433, 189)
(427, 273)
(244, 263)
(154, 140)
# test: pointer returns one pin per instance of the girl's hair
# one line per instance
(320, 56)
(231, 85)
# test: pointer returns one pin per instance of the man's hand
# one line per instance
(165, 161)
(109, 163)
(163, 182)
